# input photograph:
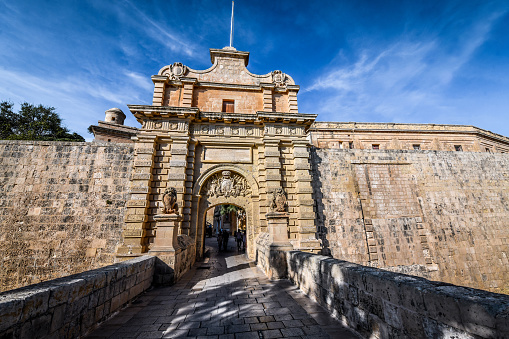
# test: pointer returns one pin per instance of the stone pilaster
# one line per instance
(159, 84)
(304, 199)
(177, 174)
(292, 99)
(267, 97)
(188, 193)
(134, 232)
(187, 93)
(272, 165)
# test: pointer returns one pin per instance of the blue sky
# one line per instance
(444, 62)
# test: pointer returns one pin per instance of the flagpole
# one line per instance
(231, 28)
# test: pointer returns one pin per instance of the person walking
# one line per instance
(219, 240)
(238, 239)
(244, 242)
(226, 235)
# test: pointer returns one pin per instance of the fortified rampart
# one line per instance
(439, 215)
(62, 207)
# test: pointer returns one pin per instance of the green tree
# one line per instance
(226, 209)
(33, 123)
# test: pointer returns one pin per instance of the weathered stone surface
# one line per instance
(438, 215)
(394, 305)
(61, 208)
(70, 307)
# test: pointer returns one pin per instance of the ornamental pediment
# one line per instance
(229, 67)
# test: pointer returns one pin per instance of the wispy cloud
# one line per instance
(141, 80)
(164, 35)
(78, 101)
(406, 77)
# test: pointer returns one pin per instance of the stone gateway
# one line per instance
(426, 200)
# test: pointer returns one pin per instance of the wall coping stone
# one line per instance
(389, 304)
(37, 309)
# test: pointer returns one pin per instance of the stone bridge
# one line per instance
(227, 295)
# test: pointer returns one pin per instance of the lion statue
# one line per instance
(170, 201)
(279, 203)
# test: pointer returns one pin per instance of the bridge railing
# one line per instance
(382, 304)
(69, 307)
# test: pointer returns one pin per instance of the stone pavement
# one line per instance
(225, 296)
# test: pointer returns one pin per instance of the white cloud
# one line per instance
(78, 101)
(400, 82)
(164, 35)
(140, 80)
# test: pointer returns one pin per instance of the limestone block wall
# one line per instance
(211, 100)
(439, 215)
(70, 307)
(62, 207)
(381, 304)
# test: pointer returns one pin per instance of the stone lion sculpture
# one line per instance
(278, 203)
(170, 201)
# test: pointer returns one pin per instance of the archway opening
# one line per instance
(226, 218)
(225, 185)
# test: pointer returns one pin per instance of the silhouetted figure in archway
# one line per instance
(219, 240)
(238, 238)
(225, 237)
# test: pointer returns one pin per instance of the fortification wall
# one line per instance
(439, 215)
(61, 208)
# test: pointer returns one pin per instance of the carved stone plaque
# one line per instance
(231, 155)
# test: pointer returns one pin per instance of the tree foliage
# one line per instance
(226, 209)
(33, 123)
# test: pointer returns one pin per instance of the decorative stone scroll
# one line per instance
(279, 79)
(279, 201)
(226, 184)
(176, 70)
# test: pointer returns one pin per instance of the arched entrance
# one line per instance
(225, 217)
(226, 185)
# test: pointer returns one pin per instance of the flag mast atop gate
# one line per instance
(231, 28)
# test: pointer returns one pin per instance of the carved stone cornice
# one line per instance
(149, 111)
(144, 112)
(299, 118)
(227, 117)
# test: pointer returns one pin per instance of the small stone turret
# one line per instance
(115, 116)
(112, 129)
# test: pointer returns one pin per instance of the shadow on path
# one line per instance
(224, 296)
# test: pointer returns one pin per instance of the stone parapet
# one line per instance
(383, 304)
(406, 136)
(72, 306)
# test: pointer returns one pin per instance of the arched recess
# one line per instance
(238, 188)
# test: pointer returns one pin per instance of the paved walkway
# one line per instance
(225, 296)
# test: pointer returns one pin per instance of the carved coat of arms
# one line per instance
(227, 184)
(279, 79)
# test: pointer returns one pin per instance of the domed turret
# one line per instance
(115, 116)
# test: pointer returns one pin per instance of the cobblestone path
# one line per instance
(225, 296)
